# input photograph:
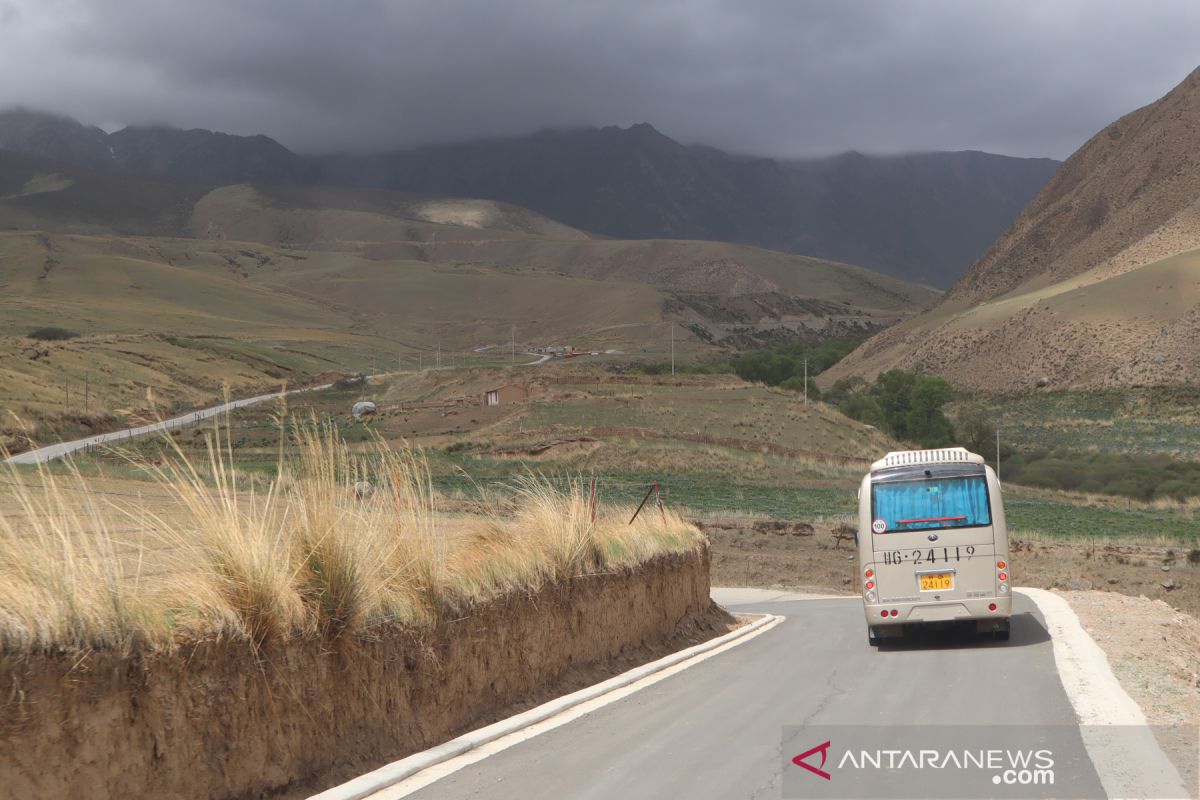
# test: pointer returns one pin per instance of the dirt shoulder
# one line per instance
(1154, 651)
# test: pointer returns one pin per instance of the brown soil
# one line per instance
(750, 553)
(216, 720)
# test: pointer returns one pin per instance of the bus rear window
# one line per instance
(931, 503)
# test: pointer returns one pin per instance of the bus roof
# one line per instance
(944, 455)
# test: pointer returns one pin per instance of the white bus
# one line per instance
(932, 544)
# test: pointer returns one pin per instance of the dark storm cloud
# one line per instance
(776, 77)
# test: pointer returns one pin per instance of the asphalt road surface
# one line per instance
(716, 730)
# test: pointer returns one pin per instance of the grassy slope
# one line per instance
(183, 317)
(387, 225)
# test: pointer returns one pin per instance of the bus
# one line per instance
(933, 544)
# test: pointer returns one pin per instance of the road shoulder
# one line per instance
(1100, 701)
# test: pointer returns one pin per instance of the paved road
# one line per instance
(51, 452)
(715, 730)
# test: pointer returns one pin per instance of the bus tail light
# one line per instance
(895, 612)
(991, 606)
(1003, 576)
(870, 584)
(870, 573)
(1001, 565)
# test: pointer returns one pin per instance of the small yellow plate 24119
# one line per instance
(936, 581)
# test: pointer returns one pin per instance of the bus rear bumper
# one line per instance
(976, 608)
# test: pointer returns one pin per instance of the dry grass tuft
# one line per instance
(311, 554)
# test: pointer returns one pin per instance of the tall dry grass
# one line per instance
(310, 554)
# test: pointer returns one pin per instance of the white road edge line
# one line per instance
(403, 777)
(1100, 701)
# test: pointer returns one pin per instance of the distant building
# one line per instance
(505, 395)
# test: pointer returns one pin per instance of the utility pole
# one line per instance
(85, 393)
(439, 352)
(806, 381)
(997, 453)
(672, 348)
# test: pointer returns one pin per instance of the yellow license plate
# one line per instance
(936, 581)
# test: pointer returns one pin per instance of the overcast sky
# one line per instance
(771, 77)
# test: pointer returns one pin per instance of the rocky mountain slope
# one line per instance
(1096, 283)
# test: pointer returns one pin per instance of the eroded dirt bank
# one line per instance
(215, 721)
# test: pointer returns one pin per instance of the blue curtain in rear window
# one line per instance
(932, 500)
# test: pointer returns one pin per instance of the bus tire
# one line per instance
(873, 637)
(1001, 632)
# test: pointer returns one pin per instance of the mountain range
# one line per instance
(1095, 283)
(921, 217)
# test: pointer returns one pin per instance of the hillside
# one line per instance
(386, 225)
(1094, 284)
(1129, 196)
(184, 318)
(182, 288)
(38, 194)
(921, 217)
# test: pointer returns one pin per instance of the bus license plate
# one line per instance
(936, 581)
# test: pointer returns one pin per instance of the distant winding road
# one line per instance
(53, 451)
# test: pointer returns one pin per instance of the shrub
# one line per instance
(775, 365)
(976, 430)
(51, 334)
(796, 384)
(1136, 477)
(906, 405)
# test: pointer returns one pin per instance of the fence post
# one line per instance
(649, 492)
